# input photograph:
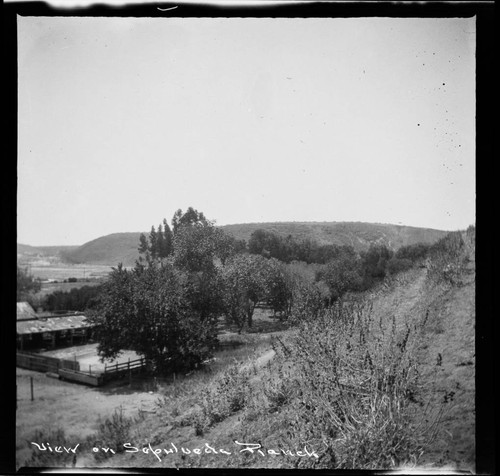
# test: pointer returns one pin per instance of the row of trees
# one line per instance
(288, 249)
(192, 273)
(76, 299)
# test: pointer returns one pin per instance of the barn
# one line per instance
(36, 332)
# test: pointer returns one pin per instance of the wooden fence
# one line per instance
(70, 369)
(97, 378)
(43, 363)
(81, 377)
(123, 368)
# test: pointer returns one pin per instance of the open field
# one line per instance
(61, 272)
(49, 288)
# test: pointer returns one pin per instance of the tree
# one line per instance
(374, 263)
(157, 246)
(151, 310)
(342, 274)
(190, 218)
(279, 283)
(245, 281)
(26, 284)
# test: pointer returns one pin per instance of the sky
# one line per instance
(122, 121)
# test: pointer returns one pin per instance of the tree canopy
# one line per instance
(152, 311)
(26, 284)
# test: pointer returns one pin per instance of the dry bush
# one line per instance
(226, 394)
(450, 255)
(354, 381)
(112, 433)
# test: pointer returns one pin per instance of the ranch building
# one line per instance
(37, 332)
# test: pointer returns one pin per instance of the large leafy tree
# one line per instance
(167, 307)
(152, 310)
(342, 274)
(246, 281)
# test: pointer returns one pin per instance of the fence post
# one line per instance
(129, 372)
(31, 386)
(90, 369)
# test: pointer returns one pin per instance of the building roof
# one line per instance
(52, 324)
(25, 311)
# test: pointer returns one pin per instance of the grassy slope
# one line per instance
(122, 247)
(448, 331)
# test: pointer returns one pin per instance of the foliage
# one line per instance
(374, 264)
(227, 394)
(26, 284)
(249, 279)
(309, 299)
(158, 245)
(152, 311)
(77, 299)
(196, 248)
(112, 433)
(244, 280)
(414, 252)
(398, 265)
(190, 218)
(342, 274)
(350, 394)
(288, 249)
(449, 256)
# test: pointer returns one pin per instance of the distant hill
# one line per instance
(110, 250)
(356, 234)
(122, 247)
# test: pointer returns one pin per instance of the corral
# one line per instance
(80, 363)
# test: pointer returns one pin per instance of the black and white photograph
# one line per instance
(246, 242)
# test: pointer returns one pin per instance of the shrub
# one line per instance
(226, 395)
(414, 252)
(278, 389)
(353, 381)
(448, 258)
(113, 433)
(398, 265)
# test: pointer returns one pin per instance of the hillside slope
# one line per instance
(108, 250)
(438, 313)
(356, 234)
(122, 247)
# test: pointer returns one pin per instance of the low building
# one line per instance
(35, 332)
